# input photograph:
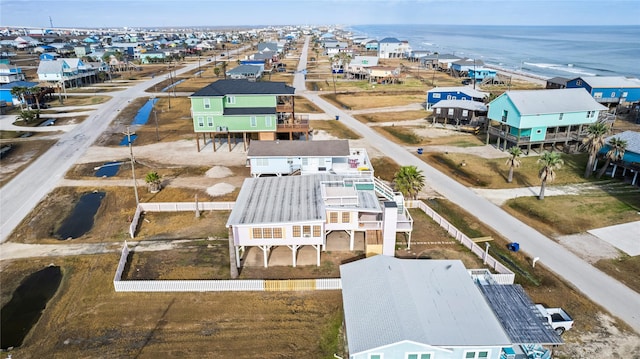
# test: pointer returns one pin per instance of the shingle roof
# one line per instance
(325, 148)
(243, 69)
(533, 102)
(50, 67)
(244, 87)
(387, 300)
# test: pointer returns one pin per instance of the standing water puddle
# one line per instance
(26, 305)
(141, 118)
(108, 169)
(81, 219)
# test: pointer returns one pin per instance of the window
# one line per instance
(267, 121)
(376, 356)
(418, 356)
(209, 121)
(261, 233)
(316, 231)
(450, 112)
(505, 114)
(257, 233)
(267, 233)
(436, 95)
(207, 103)
(305, 161)
(231, 100)
(277, 233)
(613, 94)
(296, 231)
(333, 217)
(200, 121)
(438, 110)
(480, 354)
(590, 114)
(306, 231)
(254, 121)
(597, 95)
(262, 162)
(346, 217)
(579, 82)
(465, 113)
(560, 117)
(624, 94)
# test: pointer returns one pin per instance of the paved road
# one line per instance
(599, 287)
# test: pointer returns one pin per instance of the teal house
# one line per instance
(541, 118)
(255, 110)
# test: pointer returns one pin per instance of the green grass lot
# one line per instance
(334, 128)
(377, 117)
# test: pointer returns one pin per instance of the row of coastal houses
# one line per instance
(536, 118)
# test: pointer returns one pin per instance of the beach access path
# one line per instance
(604, 290)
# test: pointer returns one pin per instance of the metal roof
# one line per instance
(244, 87)
(327, 148)
(518, 315)
(387, 300)
(463, 89)
(278, 199)
(534, 102)
(611, 82)
(463, 104)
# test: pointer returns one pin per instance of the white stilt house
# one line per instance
(296, 211)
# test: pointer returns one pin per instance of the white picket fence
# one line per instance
(505, 275)
(175, 207)
(260, 285)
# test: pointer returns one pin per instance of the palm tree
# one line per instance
(409, 181)
(593, 143)
(617, 147)
(513, 161)
(550, 161)
(35, 92)
(154, 181)
(223, 65)
(28, 116)
(18, 92)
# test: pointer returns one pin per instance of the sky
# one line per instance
(210, 13)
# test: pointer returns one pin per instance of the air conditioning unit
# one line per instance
(306, 235)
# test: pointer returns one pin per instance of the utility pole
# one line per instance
(133, 169)
(433, 78)
(155, 116)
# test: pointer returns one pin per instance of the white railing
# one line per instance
(462, 238)
(175, 207)
(220, 285)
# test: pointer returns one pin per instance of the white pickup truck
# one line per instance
(559, 320)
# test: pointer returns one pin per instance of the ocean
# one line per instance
(545, 51)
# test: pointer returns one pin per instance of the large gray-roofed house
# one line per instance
(297, 211)
(529, 102)
(405, 306)
(298, 148)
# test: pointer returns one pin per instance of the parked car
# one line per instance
(560, 320)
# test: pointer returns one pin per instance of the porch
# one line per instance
(568, 136)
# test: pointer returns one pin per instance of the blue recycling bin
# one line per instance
(337, 117)
(420, 150)
(514, 247)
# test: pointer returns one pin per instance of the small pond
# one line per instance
(80, 221)
(108, 169)
(26, 305)
(141, 118)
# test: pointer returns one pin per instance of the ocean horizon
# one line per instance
(544, 51)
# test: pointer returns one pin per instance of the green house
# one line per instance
(257, 110)
(541, 117)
